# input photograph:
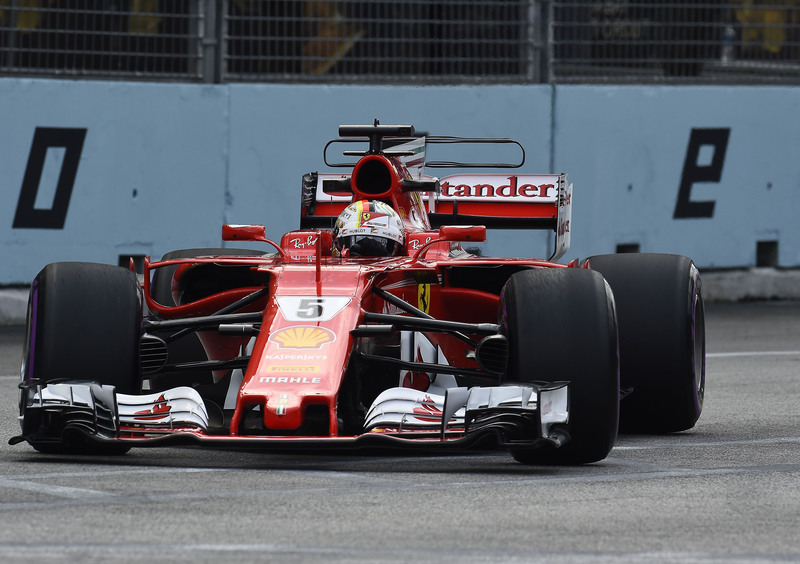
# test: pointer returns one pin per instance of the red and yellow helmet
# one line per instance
(368, 228)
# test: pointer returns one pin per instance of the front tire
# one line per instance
(561, 326)
(83, 323)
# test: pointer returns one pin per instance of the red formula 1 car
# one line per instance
(371, 327)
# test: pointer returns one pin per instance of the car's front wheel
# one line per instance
(561, 326)
(83, 323)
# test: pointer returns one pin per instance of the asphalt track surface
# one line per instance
(726, 491)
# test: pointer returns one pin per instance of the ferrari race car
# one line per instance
(374, 326)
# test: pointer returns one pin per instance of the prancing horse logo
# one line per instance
(424, 297)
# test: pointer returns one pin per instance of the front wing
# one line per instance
(522, 417)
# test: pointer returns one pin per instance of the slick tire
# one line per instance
(83, 323)
(561, 326)
(662, 339)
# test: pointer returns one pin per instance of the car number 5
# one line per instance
(318, 309)
(310, 308)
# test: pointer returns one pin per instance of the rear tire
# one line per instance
(83, 323)
(662, 339)
(561, 326)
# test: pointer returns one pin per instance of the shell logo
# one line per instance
(302, 337)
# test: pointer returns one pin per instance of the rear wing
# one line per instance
(517, 201)
(495, 200)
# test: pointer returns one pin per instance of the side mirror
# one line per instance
(463, 233)
(250, 233)
(244, 233)
(455, 233)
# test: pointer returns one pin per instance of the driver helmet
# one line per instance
(368, 228)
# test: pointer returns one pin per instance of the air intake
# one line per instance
(153, 354)
(373, 176)
(492, 353)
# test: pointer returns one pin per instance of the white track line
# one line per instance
(752, 353)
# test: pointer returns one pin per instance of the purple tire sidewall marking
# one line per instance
(699, 386)
(32, 336)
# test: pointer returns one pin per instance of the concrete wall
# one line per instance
(96, 170)
(627, 150)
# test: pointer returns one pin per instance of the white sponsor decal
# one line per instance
(303, 242)
(415, 244)
(296, 356)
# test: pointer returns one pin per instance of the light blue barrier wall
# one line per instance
(162, 166)
(150, 176)
(626, 149)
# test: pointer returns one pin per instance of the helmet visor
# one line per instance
(368, 246)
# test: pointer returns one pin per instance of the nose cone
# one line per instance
(283, 411)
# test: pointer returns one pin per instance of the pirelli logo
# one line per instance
(293, 369)
(302, 337)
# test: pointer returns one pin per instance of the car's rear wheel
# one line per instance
(561, 326)
(83, 323)
(662, 339)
